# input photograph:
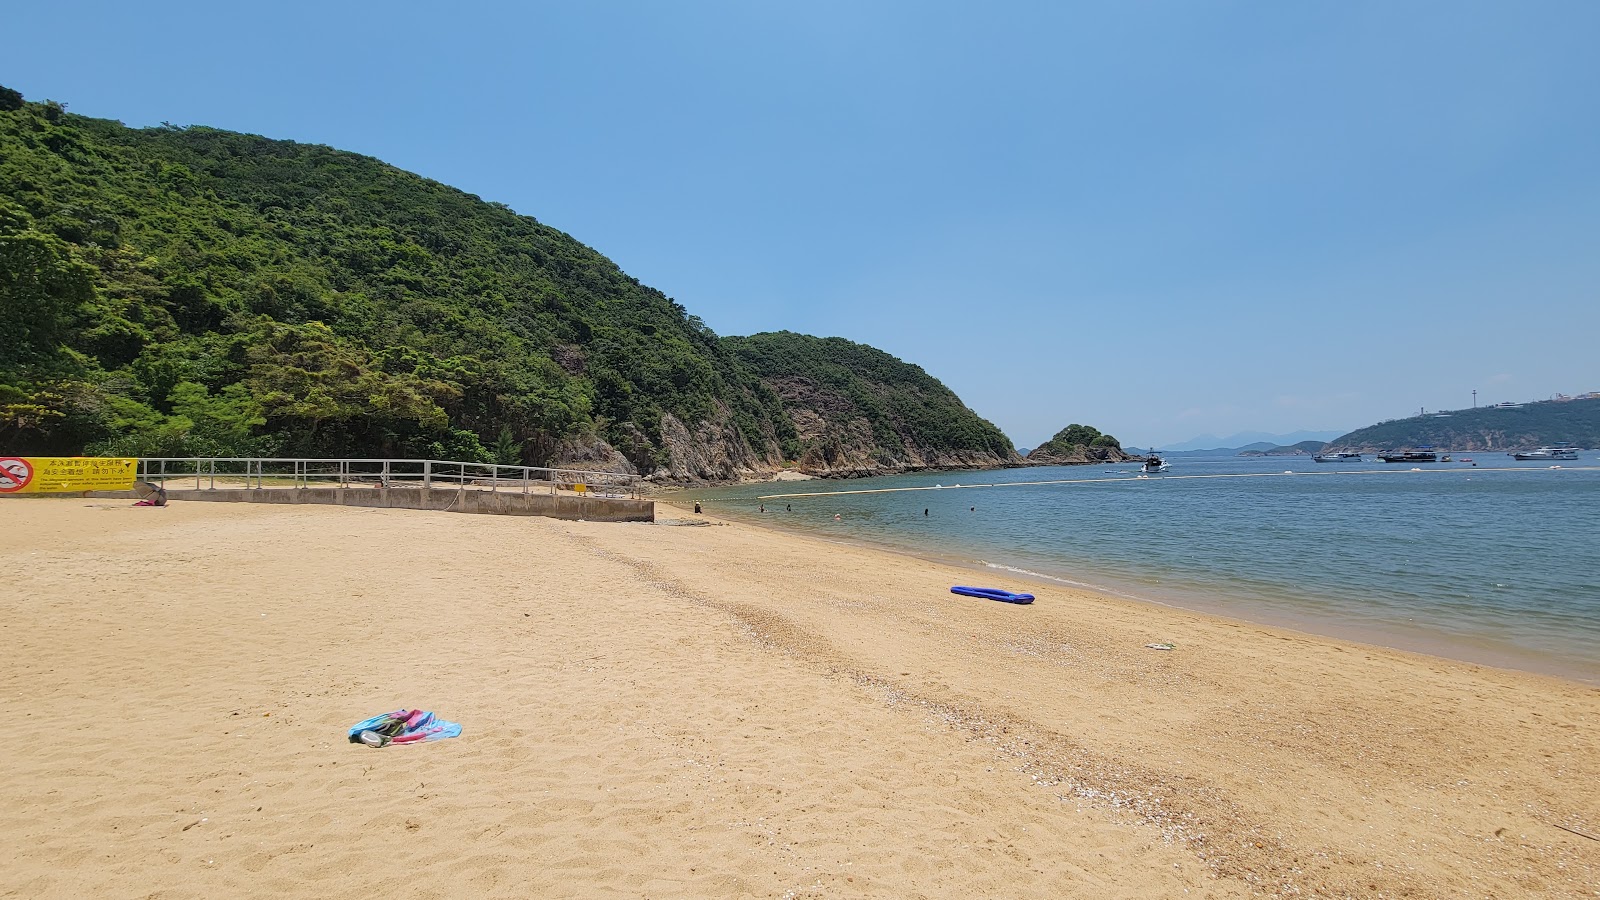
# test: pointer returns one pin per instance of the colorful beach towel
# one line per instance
(403, 726)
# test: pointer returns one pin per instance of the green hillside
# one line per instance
(1542, 424)
(857, 409)
(190, 291)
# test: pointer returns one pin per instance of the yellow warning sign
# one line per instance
(48, 475)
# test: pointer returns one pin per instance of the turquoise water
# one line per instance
(1496, 563)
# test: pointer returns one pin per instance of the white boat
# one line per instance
(1548, 453)
(1154, 463)
(1336, 457)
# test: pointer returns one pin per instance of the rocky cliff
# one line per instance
(857, 411)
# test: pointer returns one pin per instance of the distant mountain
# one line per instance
(1245, 439)
(1209, 451)
(1303, 448)
(1512, 427)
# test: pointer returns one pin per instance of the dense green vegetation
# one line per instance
(908, 411)
(193, 291)
(1078, 442)
(1542, 424)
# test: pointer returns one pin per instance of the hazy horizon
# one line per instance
(1162, 221)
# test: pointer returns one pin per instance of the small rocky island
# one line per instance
(1077, 445)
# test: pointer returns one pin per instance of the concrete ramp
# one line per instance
(495, 503)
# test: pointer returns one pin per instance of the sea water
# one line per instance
(1495, 562)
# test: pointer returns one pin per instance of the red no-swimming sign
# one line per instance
(15, 473)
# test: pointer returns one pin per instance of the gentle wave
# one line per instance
(1481, 558)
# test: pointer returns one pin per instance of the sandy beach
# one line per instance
(719, 710)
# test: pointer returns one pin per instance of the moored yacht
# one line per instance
(1336, 457)
(1547, 453)
(1404, 456)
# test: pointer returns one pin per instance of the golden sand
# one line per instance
(722, 711)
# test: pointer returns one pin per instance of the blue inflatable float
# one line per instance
(992, 594)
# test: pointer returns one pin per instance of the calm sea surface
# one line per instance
(1495, 563)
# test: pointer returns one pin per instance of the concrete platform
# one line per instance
(495, 503)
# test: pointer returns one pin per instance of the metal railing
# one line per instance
(427, 474)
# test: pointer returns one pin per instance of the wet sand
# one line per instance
(723, 711)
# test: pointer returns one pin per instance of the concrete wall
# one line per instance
(499, 503)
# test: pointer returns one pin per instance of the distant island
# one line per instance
(1505, 427)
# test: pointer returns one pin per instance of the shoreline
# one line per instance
(1455, 648)
(726, 711)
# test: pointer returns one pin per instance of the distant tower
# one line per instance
(1474, 398)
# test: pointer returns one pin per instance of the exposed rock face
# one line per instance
(590, 454)
(838, 442)
(713, 451)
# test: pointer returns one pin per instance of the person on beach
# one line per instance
(697, 506)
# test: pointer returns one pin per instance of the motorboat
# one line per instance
(1412, 456)
(1336, 457)
(1547, 453)
(1153, 464)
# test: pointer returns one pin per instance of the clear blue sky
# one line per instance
(1161, 219)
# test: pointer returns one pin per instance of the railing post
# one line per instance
(427, 474)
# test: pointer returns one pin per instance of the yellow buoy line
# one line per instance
(1147, 478)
